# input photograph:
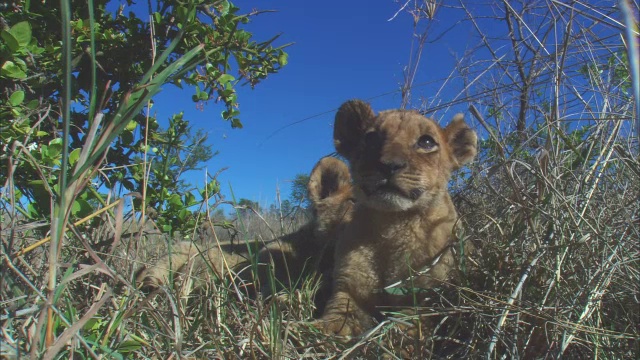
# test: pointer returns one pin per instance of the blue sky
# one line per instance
(342, 50)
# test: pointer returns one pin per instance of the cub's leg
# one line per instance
(344, 316)
(287, 268)
(351, 307)
(187, 258)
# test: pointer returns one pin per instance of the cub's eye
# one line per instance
(426, 142)
(372, 139)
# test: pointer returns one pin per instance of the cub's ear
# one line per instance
(462, 140)
(352, 120)
(329, 177)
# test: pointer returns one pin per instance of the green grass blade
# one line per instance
(134, 103)
(94, 92)
(163, 57)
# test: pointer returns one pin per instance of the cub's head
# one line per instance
(331, 194)
(400, 160)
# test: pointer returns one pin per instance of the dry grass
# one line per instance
(551, 205)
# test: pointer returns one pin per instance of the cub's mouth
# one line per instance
(388, 196)
(386, 188)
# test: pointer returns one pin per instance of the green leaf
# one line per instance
(224, 8)
(92, 324)
(225, 78)
(105, 349)
(236, 124)
(126, 137)
(31, 105)
(283, 59)
(22, 33)
(16, 98)
(73, 157)
(32, 211)
(129, 346)
(230, 114)
(55, 148)
(190, 199)
(182, 214)
(79, 24)
(213, 187)
(395, 291)
(185, 15)
(131, 126)
(11, 70)
(10, 40)
(81, 208)
(175, 200)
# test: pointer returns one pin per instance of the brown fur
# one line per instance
(311, 248)
(187, 258)
(404, 217)
(308, 250)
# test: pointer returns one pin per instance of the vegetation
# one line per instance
(74, 133)
(551, 203)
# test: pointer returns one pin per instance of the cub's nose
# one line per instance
(391, 167)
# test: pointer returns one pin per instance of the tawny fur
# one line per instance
(293, 256)
(400, 162)
(193, 261)
(311, 248)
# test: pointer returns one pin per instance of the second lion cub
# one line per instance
(400, 163)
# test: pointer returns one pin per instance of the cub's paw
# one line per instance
(150, 278)
(338, 325)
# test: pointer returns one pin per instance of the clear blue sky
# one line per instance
(342, 50)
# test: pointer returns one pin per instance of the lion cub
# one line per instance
(400, 162)
(301, 253)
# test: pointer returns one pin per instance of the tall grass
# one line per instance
(551, 205)
(62, 327)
